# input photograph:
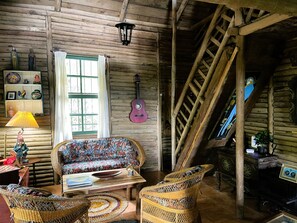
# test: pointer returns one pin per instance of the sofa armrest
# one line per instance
(141, 154)
(56, 158)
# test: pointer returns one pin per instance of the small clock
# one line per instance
(288, 172)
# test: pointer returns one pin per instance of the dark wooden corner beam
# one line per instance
(287, 7)
(124, 10)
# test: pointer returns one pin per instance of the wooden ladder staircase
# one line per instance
(193, 94)
(213, 62)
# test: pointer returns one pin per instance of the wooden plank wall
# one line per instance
(25, 28)
(284, 129)
(80, 31)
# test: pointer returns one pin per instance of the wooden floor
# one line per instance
(215, 206)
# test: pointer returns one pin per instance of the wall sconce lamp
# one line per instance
(22, 119)
(125, 32)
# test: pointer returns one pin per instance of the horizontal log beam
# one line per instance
(287, 7)
(262, 23)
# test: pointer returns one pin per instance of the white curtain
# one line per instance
(103, 112)
(62, 118)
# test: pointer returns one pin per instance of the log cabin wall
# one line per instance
(82, 31)
(283, 102)
(25, 28)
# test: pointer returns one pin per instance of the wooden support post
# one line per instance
(240, 84)
(173, 77)
(159, 108)
(50, 65)
(270, 111)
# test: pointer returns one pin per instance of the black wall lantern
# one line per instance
(125, 32)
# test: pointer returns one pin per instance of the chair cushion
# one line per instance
(28, 190)
(192, 171)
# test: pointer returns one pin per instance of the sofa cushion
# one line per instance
(97, 149)
(80, 167)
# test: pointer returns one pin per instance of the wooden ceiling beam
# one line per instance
(124, 10)
(287, 7)
(181, 9)
(262, 23)
(58, 5)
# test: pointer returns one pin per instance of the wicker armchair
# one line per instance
(34, 209)
(175, 198)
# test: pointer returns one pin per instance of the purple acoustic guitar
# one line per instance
(138, 113)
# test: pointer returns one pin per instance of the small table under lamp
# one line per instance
(22, 119)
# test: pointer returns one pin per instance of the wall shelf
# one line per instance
(13, 89)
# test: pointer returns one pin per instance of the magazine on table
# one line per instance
(82, 181)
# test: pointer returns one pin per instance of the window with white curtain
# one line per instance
(82, 74)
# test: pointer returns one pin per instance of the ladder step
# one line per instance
(186, 107)
(179, 132)
(227, 18)
(180, 123)
(184, 116)
(210, 53)
(190, 100)
(197, 83)
(202, 75)
(261, 13)
(193, 89)
(205, 64)
(220, 29)
(216, 42)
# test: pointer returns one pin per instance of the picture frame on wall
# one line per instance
(11, 95)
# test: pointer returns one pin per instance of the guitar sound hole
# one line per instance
(138, 106)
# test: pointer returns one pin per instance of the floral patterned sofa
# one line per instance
(87, 155)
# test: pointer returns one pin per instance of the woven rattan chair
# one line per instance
(175, 198)
(34, 209)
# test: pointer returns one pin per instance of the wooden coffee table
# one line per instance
(106, 184)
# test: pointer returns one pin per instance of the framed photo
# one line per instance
(282, 217)
(11, 95)
(288, 172)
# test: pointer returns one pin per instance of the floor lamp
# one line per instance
(22, 119)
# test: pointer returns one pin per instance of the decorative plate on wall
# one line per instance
(13, 78)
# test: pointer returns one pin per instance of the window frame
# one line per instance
(81, 95)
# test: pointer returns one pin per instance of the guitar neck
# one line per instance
(137, 90)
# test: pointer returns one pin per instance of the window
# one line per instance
(83, 97)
